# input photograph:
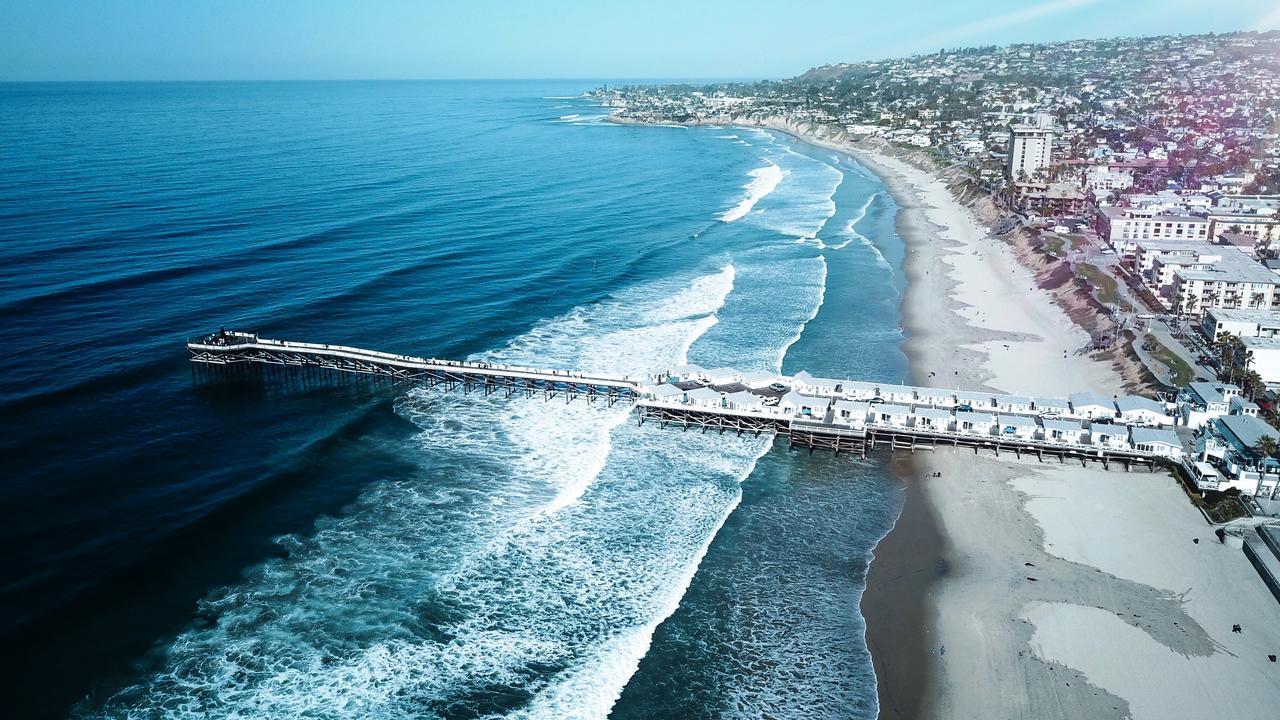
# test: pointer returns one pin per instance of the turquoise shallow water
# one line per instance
(182, 550)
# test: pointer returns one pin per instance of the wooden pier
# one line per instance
(232, 351)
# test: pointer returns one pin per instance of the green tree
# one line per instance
(1265, 448)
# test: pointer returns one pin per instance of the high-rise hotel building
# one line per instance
(1030, 146)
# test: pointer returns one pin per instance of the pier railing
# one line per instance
(233, 350)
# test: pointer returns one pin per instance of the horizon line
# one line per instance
(30, 81)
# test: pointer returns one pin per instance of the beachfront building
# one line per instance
(1137, 410)
(935, 419)
(744, 400)
(666, 393)
(804, 406)
(1161, 441)
(900, 394)
(1233, 281)
(852, 413)
(1109, 436)
(1018, 426)
(758, 379)
(1014, 404)
(974, 423)
(975, 401)
(1124, 227)
(1202, 401)
(1049, 199)
(1265, 358)
(854, 390)
(810, 385)
(1052, 406)
(1030, 146)
(1241, 322)
(1066, 431)
(891, 415)
(721, 376)
(704, 397)
(1230, 446)
(1147, 252)
(936, 398)
(1092, 406)
(685, 373)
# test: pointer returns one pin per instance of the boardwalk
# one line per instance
(838, 415)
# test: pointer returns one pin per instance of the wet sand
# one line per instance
(907, 563)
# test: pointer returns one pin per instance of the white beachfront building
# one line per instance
(811, 385)
(684, 373)
(721, 376)
(935, 397)
(1107, 435)
(933, 419)
(1051, 406)
(891, 415)
(1065, 431)
(1013, 404)
(975, 401)
(1018, 426)
(851, 412)
(1092, 405)
(804, 406)
(1139, 410)
(666, 393)
(900, 394)
(1161, 441)
(704, 397)
(745, 401)
(855, 390)
(758, 379)
(974, 423)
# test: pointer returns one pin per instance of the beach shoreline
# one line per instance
(986, 595)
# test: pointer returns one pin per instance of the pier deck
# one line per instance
(818, 430)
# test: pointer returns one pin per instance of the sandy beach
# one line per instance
(1051, 591)
(1015, 589)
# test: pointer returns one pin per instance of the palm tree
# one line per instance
(1256, 299)
(1251, 383)
(1210, 298)
(1265, 447)
(1191, 303)
(1226, 348)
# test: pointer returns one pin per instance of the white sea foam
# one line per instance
(549, 540)
(862, 212)
(822, 295)
(591, 690)
(764, 180)
(804, 205)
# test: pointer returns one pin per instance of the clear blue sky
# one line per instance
(324, 39)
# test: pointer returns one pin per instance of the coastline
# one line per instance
(986, 594)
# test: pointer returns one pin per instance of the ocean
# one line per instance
(174, 548)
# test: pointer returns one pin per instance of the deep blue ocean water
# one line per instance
(174, 548)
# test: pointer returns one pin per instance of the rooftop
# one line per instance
(1246, 315)
(1244, 430)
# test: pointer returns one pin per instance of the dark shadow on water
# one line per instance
(98, 639)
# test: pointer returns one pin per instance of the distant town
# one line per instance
(1149, 166)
